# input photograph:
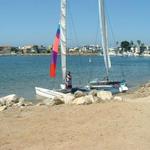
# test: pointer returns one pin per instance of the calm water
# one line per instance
(20, 74)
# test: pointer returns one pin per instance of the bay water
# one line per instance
(21, 74)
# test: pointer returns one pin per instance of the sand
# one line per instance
(104, 126)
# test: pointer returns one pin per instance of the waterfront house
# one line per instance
(33, 49)
(5, 49)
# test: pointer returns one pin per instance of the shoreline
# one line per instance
(107, 125)
(76, 54)
(131, 91)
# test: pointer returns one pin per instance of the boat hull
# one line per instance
(46, 93)
(113, 86)
(60, 93)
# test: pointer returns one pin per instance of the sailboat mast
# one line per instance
(103, 28)
(63, 36)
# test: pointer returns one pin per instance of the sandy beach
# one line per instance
(106, 126)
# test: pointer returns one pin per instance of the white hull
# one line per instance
(96, 84)
(101, 86)
(46, 93)
(121, 89)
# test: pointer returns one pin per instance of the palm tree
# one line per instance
(125, 45)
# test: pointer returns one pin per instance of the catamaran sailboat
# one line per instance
(60, 38)
(106, 84)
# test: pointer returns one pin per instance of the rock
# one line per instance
(85, 100)
(39, 104)
(19, 102)
(9, 103)
(118, 98)
(2, 108)
(28, 104)
(9, 100)
(21, 99)
(69, 98)
(2, 102)
(55, 101)
(147, 85)
(79, 94)
(93, 93)
(16, 99)
(90, 98)
(104, 95)
(58, 101)
(97, 99)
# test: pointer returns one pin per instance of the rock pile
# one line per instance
(143, 91)
(12, 100)
(80, 98)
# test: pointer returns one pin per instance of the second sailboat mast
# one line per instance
(104, 35)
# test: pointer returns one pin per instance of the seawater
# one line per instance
(21, 74)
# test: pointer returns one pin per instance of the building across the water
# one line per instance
(5, 49)
(33, 49)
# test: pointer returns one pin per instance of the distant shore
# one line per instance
(76, 54)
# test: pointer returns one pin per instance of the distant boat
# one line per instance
(90, 60)
(106, 84)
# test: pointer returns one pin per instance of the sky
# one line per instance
(24, 22)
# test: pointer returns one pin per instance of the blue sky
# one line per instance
(35, 21)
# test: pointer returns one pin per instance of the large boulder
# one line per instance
(90, 98)
(54, 101)
(22, 102)
(93, 93)
(97, 99)
(9, 100)
(85, 100)
(104, 95)
(79, 94)
(69, 98)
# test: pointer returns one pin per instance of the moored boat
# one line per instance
(107, 84)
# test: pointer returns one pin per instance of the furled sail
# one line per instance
(63, 40)
(54, 54)
(103, 27)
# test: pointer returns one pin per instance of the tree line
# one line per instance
(126, 46)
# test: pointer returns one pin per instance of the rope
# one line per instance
(76, 64)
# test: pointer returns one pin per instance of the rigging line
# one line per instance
(96, 42)
(114, 39)
(79, 63)
(109, 22)
(111, 29)
(72, 22)
(97, 33)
